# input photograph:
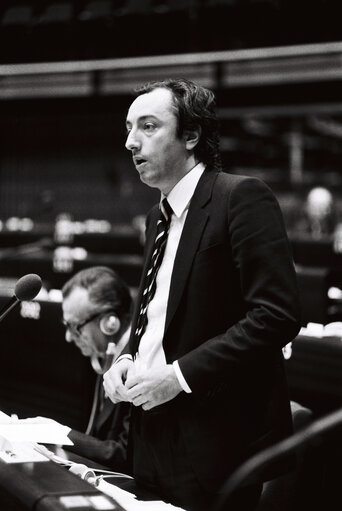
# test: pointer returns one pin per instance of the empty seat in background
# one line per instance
(300, 488)
(56, 13)
(96, 34)
(95, 10)
(19, 15)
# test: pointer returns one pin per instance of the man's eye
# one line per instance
(149, 126)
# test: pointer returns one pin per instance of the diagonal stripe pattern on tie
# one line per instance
(163, 225)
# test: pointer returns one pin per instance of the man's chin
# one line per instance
(86, 353)
(148, 180)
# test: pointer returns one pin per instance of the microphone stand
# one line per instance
(8, 307)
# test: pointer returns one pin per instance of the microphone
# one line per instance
(26, 288)
(85, 473)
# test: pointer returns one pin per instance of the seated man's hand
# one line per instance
(152, 387)
(114, 380)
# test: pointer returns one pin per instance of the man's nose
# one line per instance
(132, 141)
(68, 336)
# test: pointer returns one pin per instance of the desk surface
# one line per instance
(127, 484)
(46, 486)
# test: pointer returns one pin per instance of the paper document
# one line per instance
(4, 418)
(20, 452)
(24, 430)
(129, 501)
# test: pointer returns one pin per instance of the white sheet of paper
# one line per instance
(21, 452)
(131, 503)
(44, 433)
(4, 419)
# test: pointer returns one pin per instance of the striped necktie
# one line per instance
(163, 225)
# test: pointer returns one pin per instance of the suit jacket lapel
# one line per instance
(192, 232)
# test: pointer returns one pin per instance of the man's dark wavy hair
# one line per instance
(195, 107)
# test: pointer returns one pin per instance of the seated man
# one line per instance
(319, 218)
(96, 314)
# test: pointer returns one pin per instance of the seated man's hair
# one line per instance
(106, 289)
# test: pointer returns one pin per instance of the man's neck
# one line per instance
(190, 165)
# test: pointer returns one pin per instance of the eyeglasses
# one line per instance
(77, 327)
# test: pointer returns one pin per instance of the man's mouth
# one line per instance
(138, 161)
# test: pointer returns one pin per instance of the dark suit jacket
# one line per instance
(107, 440)
(233, 305)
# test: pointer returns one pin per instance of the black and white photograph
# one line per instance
(170, 255)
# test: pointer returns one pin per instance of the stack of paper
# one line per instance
(18, 437)
(27, 430)
(129, 501)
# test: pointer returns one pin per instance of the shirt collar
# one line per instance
(181, 194)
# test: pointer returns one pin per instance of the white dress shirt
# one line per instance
(150, 351)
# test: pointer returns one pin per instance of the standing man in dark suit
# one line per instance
(218, 301)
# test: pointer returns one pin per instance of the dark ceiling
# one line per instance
(36, 31)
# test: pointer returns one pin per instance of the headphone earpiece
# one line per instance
(110, 324)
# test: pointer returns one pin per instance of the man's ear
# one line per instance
(192, 138)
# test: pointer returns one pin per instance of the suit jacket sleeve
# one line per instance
(109, 452)
(262, 263)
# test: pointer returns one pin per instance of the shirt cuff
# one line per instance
(126, 355)
(181, 378)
